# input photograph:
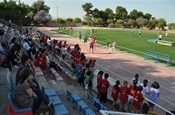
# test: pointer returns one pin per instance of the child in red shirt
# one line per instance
(43, 59)
(104, 85)
(124, 91)
(93, 62)
(132, 91)
(115, 92)
(37, 61)
(138, 99)
(99, 78)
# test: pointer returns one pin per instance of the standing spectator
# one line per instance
(99, 78)
(138, 99)
(124, 91)
(154, 95)
(104, 85)
(132, 91)
(78, 71)
(137, 79)
(87, 79)
(145, 87)
(115, 93)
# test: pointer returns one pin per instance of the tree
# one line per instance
(147, 16)
(88, 19)
(133, 14)
(161, 23)
(120, 21)
(140, 14)
(99, 21)
(131, 22)
(141, 21)
(42, 16)
(69, 20)
(121, 12)
(39, 5)
(95, 13)
(17, 13)
(87, 8)
(109, 13)
(77, 20)
(110, 21)
(152, 23)
(171, 26)
(60, 21)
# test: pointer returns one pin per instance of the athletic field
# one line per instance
(128, 40)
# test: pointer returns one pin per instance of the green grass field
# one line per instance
(128, 42)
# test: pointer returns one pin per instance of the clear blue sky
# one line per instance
(73, 8)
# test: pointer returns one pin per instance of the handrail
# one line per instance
(104, 112)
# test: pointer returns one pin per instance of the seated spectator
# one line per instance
(3, 50)
(63, 52)
(43, 59)
(37, 61)
(31, 52)
(25, 65)
(12, 42)
(15, 55)
(27, 97)
(26, 46)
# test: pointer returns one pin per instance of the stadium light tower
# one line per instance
(57, 14)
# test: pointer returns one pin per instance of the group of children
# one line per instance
(128, 98)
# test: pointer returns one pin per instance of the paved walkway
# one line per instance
(123, 66)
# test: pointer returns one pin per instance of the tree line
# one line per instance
(38, 13)
(23, 14)
(119, 18)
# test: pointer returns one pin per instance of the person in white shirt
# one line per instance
(63, 52)
(145, 87)
(137, 79)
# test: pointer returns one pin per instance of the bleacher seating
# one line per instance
(10, 111)
(94, 101)
(14, 106)
(79, 103)
(59, 108)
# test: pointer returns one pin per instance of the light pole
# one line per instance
(57, 14)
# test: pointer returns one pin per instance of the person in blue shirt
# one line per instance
(154, 95)
(78, 72)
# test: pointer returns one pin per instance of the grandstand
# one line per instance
(62, 86)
